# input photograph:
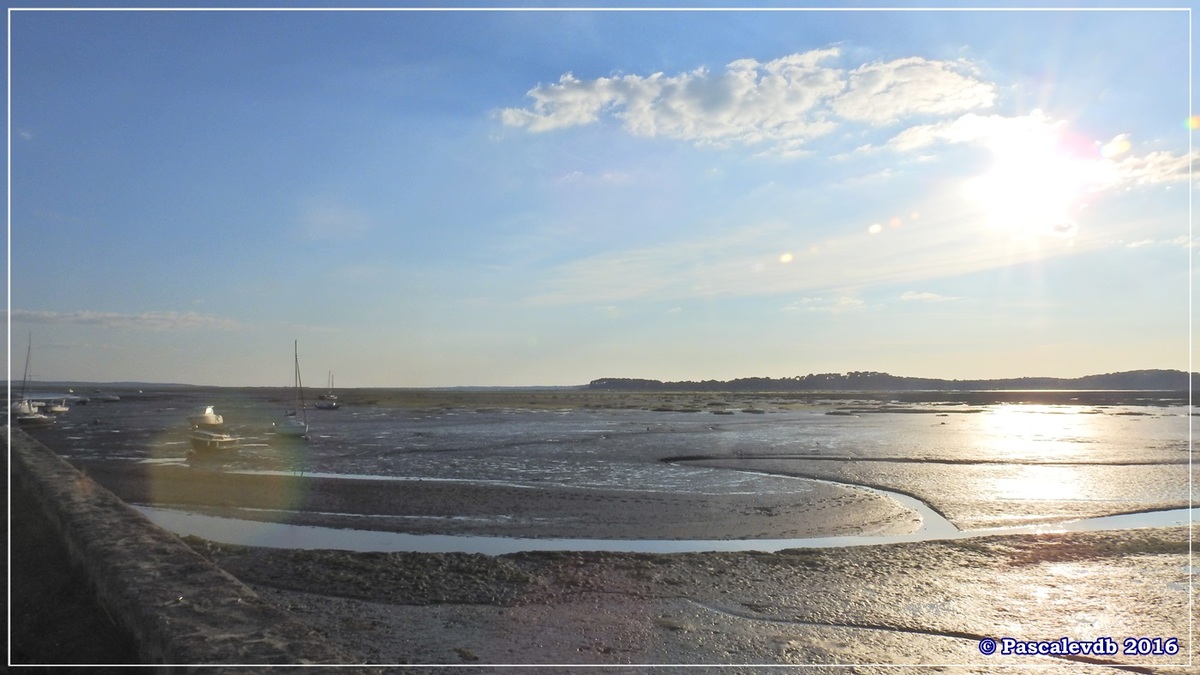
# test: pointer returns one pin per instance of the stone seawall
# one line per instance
(181, 609)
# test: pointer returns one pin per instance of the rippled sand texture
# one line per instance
(921, 603)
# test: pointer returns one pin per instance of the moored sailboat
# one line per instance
(24, 411)
(295, 423)
(328, 400)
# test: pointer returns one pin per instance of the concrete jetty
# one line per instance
(180, 609)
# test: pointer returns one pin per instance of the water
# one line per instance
(984, 466)
(281, 535)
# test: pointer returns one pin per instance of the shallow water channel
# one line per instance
(933, 527)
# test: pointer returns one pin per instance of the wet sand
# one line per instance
(917, 603)
(458, 508)
(925, 603)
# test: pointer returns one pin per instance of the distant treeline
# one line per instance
(1149, 380)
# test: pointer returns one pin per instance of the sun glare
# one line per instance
(1036, 432)
(1036, 184)
(1033, 440)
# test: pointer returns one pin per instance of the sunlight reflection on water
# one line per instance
(1041, 432)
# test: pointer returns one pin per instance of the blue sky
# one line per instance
(544, 198)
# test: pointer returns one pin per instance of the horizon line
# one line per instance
(130, 383)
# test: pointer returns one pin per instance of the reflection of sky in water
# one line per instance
(280, 535)
(620, 448)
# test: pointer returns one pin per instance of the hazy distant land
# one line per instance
(756, 394)
(853, 381)
(1133, 380)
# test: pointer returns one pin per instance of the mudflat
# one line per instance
(457, 508)
(928, 603)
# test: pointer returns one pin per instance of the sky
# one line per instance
(518, 198)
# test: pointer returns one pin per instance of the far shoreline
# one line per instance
(574, 398)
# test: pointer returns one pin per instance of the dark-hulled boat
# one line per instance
(207, 440)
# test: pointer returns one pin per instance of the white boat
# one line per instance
(208, 440)
(205, 417)
(58, 408)
(24, 411)
(294, 425)
(291, 428)
(22, 407)
(35, 421)
(328, 400)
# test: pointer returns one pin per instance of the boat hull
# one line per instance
(35, 421)
(208, 441)
(291, 428)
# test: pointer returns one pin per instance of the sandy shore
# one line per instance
(924, 603)
(919, 603)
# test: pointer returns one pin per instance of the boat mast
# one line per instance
(28, 353)
(299, 385)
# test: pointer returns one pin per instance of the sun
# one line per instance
(1036, 184)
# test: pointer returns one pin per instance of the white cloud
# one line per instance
(915, 296)
(835, 305)
(1182, 241)
(606, 178)
(747, 263)
(700, 266)
(1151, 169)
(971, 128)
(881, 93)
(785, 103)
(145, 321)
